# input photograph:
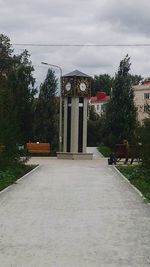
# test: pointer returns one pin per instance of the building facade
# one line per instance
(142, 99)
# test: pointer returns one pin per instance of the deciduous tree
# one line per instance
(121, 116)
(16, 96)
(102, 82)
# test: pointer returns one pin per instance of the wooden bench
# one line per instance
(38, 148)
(131, 152)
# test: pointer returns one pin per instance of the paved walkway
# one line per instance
(73, 214)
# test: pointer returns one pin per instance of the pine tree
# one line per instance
(121, 117)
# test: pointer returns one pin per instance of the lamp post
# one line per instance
(60, 105)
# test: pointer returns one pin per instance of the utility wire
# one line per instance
(81, 45)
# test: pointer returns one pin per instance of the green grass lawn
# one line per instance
(139, 177)
(12, 174)
(104, 150)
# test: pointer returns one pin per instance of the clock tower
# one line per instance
(76, 87)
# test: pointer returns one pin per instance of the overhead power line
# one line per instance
(80, 45)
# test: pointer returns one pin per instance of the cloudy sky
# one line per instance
(85, 22)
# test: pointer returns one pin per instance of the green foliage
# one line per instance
(6, 178)
(105, 150)
(139, 176)
(136, 79)
(11, 174)
(93, 133)
(94, 127)
(47, 112)
(145, 139)
(9, 132)
(121, 111)
(16, 98)
(5, 55)
(102, 82)
(22, 84)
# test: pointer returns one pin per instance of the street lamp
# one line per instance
(60, 105)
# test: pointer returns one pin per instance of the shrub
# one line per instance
(106, 151)
(145, 138)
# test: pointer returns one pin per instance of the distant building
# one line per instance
(142, 99)
(99, 102)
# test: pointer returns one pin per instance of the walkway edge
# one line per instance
(21, 178)
(136, 189)
(100, 153)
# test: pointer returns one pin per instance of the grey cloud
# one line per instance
(128, 16)
(79, 22)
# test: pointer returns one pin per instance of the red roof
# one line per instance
(100, 97)
(147, 82)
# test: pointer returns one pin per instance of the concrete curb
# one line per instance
(100, 153)
(137, 190)
(21, 178)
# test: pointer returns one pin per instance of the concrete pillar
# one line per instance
(74, 124)
(85, 124)
(75, 129)
(65, 126)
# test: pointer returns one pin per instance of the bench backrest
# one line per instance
(38, 147)
(122, 150)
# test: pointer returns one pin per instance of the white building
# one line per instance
(99, 102)
(142, 99)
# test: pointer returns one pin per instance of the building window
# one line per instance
(97, 107)
(146, 95)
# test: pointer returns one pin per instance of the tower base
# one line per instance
(74, 156)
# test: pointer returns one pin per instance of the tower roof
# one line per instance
(76, 73)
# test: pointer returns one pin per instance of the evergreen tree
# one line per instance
(47, 111)
(102, 82)
(121, 112)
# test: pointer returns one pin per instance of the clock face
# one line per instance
(75, 86)
(82, 87)
(68, 87)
